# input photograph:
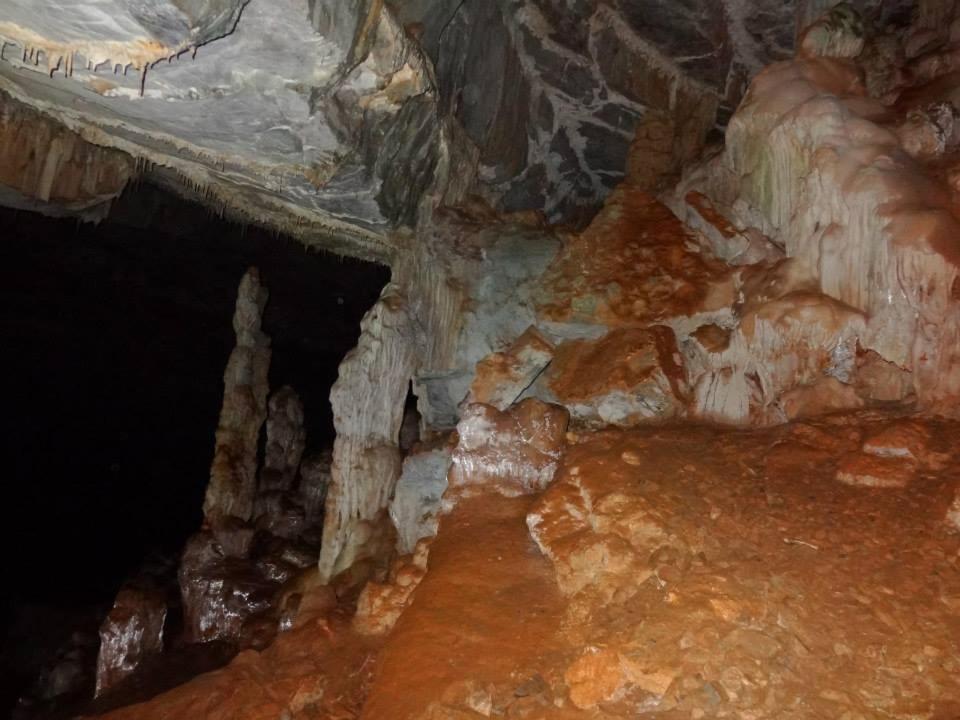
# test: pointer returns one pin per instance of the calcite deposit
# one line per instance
(233, 475)
(514, 452)
(817, 166)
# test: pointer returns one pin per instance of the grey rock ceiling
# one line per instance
(335, 119)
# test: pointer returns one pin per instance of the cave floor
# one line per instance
(773, 591)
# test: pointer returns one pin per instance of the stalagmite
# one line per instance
(232, 487)
(368, 402)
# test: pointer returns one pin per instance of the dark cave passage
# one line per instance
(116, 337)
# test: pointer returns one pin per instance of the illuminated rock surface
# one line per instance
(233, 476)
(131, 633)
(689, 570)
(686, 420)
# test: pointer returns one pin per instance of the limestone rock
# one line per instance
(44, 166)
(514, 452)
(859, 208)
(381, 604)
(909, 439)
(824, 395)
(929, 133)
(233, 475)
(626, 377)
(220, 593)
(286, 439)
(598, 538)
(416, 504)
(838, 33)
(789, 355)
(501, 377)
(605, 675)
(131, 632)
(876, 471)
(275, 122)
(953, 513)
(368, 403)
(314, 481)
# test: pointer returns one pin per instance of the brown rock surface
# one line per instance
(876, 471)
(513, 453)
(634, 265)
(755, 586)
(131, 633)
(502, 376)
(627, 376)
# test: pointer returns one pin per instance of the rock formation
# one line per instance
(131, 633)
(514, 452)
(572, 274)
(812, 164)
(233, 475)
(368, 400)
(286, 439)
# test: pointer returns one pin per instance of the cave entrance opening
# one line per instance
(116, 336)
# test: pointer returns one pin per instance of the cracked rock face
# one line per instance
(256, 112)
(338, 121)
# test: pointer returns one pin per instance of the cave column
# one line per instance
(368, 404)
(233, 475)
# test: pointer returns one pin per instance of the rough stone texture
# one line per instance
(315, 479)
(553, 93)
(876, 471)
(928, 133)
(771, 591)
(839, 32)
(606, 676)
(131, 632)
(471, 283)
(503, 376)
(626, 377)
(514, 452)
(337, 121)
(381, 604)
(314, 670)
(256, 114)
(416, 503)
(634, 266)
(45, 167)
(368, 401)
(808, 165)
(233, 475)
(220, 593)
(119, 31)
(286, 439)
(597, 537)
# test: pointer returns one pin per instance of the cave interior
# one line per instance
(452, 359)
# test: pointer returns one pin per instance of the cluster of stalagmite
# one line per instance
(262, 522)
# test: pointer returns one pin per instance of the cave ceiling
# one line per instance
(334, 120)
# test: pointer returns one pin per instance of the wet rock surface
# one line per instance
(514, 452)
(689, 572)
(131, 632)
